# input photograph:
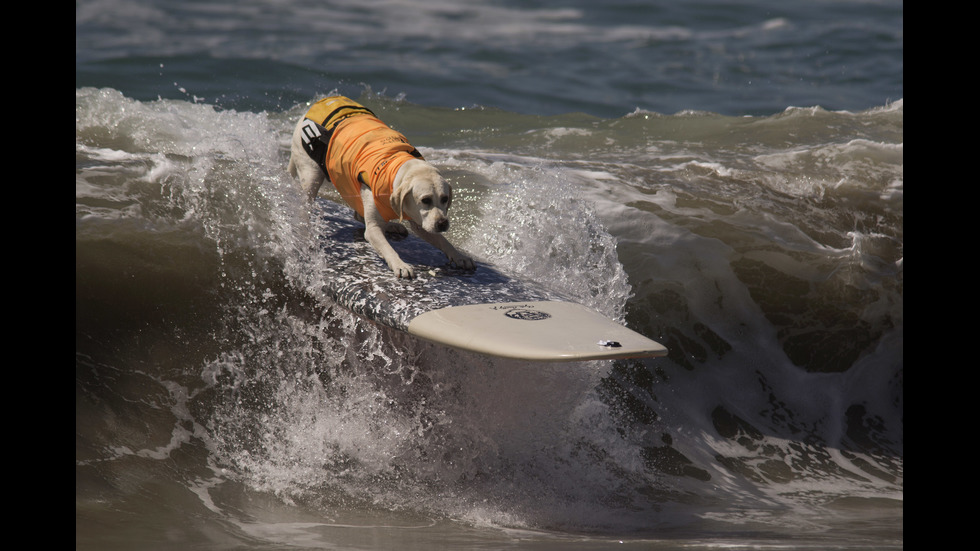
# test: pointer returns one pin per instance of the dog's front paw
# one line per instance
(403, 271)
(461, 261)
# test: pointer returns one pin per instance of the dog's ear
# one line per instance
(398, 196)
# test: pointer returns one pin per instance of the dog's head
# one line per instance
(423, 195)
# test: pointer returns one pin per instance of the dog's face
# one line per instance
(423, 195)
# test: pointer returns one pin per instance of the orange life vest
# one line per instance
(351, 146)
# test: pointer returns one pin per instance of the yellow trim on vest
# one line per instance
(329, 111)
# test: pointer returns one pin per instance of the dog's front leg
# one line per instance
(440, 242)
(374, 232)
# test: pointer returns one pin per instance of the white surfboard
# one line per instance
(539, 331)
(484, 311)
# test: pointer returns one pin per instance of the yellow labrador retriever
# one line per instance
(377, 172)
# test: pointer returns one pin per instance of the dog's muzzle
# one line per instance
(442, 225)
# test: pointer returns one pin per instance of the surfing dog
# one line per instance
(378, 173)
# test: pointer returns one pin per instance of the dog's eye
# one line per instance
(427, 200)
(444, 199)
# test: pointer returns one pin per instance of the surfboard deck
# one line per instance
(482, 310)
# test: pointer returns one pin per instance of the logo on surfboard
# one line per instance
(522, 312)
(531, 315)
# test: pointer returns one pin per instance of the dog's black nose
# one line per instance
(442, 225)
